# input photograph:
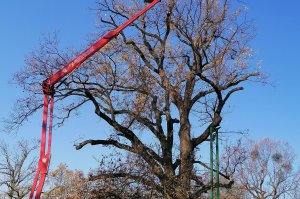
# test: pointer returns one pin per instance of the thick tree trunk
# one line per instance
(185, 156)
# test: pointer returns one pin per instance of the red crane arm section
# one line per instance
(79, 59)
(48, 89)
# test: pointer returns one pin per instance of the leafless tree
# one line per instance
(17, 169)
(172, 71)
(269, 170)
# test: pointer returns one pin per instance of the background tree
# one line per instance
(17, 169)
(269, 170)
(173, 70)
(65, 183)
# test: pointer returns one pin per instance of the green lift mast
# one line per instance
(214, 136)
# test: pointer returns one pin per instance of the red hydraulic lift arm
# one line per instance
(48, 89)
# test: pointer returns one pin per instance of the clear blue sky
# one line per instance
(266, 111)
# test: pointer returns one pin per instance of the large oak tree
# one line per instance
(174, 69)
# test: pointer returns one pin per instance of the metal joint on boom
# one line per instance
(47, 88)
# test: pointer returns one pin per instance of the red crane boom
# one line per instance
(48, 89)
